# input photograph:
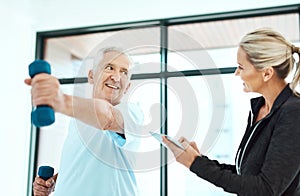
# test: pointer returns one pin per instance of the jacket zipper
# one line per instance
(238, 163)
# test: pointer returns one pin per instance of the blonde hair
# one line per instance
(265, 47)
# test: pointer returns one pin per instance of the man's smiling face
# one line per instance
(110, 79)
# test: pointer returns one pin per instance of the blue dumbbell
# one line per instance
(43, 115)
(45, 172)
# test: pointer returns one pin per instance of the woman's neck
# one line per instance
(271, 92)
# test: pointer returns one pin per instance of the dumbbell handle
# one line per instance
(43, 115)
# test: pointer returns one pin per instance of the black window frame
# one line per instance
(163, 75)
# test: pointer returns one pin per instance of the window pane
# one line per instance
(52, 137)
(217, 136)
(146, 94)
(194, 39)
(65, 54)
(148, 155)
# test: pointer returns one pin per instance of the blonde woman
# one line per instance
(268, 158)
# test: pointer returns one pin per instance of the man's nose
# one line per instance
(116, 76)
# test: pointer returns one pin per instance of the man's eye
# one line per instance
(109, 67)
(125, 73)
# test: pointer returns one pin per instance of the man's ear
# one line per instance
(268, 73)
(91, 77)
(128, 86)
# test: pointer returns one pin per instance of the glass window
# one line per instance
(212, 110)
(146, 94)
(217, 135)
(206, 40)
(51, 137)
(211, 45)
(65, 54)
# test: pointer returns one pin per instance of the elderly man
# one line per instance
(94, 159)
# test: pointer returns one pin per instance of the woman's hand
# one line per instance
(187, 156)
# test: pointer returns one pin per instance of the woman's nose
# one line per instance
(237, 71)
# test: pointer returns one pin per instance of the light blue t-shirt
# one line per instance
(96, 162)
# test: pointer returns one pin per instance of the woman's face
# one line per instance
(251, 77)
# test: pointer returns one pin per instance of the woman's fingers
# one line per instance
(193, 144)
(173, 147)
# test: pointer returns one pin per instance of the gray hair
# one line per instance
(100, 54)
(265, 47)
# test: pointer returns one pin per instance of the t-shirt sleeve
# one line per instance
(133, 121)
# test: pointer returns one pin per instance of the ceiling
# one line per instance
(192, 36)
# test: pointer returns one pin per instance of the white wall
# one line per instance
(16, 51)
(20, 19)
(61, 14)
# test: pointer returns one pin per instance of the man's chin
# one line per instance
(114, 101)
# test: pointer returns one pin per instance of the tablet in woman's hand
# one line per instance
(158, 136)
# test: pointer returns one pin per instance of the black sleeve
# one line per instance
(280, 168)
(221, 175)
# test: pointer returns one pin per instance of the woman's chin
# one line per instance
(245, 89)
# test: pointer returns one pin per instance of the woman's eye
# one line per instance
(240, 67)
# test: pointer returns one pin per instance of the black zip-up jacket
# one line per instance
(268, 159)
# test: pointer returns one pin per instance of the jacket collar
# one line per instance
(258, 102)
